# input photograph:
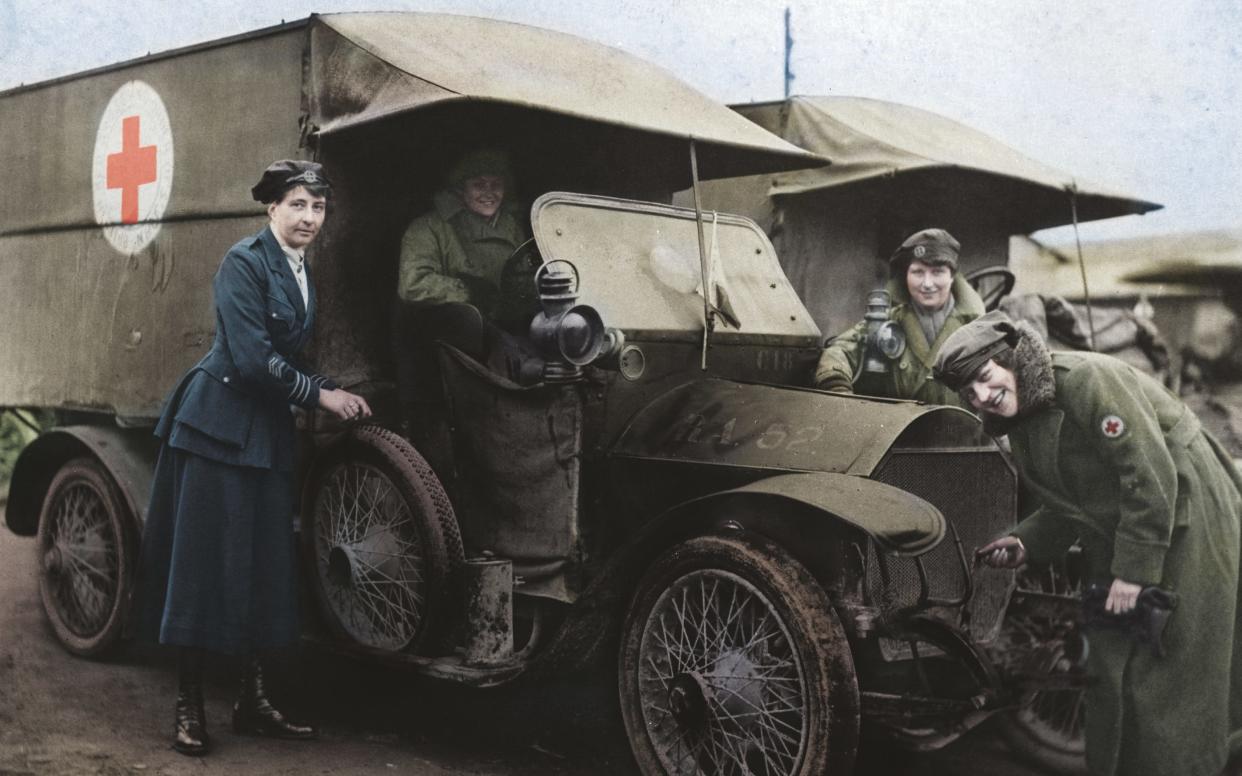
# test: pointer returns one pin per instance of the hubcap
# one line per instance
(742, 686)
(52, 561)
(688, 700)
(377, 554)
(340, 566)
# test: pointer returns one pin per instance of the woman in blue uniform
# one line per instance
(218, 564)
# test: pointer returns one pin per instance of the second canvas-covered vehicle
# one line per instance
(767, 566)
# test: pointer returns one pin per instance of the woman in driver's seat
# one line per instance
(457, 250)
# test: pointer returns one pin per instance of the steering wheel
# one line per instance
(993, 284)
(519, 299)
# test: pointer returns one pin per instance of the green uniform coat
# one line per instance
(910, 376)
(451, 254)
(1120, 463)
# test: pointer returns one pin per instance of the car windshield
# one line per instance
(639, 266)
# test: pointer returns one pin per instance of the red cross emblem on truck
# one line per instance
(132, 167)
(129, 169)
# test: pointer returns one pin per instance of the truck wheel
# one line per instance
(382, 540)
(733, 662)
(86, 548)
(1047, 727)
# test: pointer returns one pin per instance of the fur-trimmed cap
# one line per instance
(286, 174)
(966, 350)
(933, 247)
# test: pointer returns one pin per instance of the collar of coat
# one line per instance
(1037, 386)
(967, 306)
(274, 255)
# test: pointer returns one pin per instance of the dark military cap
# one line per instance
(286, 174)
(966, 350)
(933, 247)
(482, 161)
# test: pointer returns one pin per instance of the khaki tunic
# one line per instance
(909, 377)
(1120, 463)
(453, 255)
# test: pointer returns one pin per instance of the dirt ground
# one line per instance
(67, 716)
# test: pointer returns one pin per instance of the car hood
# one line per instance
(758, 426)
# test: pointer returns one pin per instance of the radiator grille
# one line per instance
(976, 491)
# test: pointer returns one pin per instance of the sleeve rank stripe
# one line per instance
(301, 387)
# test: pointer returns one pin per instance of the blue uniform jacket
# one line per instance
(233, 405)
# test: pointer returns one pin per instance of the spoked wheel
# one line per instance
(382, 541)
(733, 662)
(1048, 726)
(86, 557)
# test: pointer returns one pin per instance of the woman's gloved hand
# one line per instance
(1006, 552)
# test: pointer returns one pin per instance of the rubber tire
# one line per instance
(807, 613)
(90, 473)
(429, 505)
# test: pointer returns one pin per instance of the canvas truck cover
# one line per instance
(122, 189)
(869, 139)
(366, 66)
(125, 185)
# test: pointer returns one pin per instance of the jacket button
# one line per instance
(273, 315)
(226, 378)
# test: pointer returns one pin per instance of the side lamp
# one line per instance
(569, 335)
(885, 339)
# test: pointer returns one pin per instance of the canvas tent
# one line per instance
(1190, 281)
(1194, 284)
(1122, 270)
(896, 169)
(1201, 260)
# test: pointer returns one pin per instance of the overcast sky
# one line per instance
(1142, 95)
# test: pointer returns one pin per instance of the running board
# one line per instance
(446, 667)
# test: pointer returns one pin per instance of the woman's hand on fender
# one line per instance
(344, 405)
(1122, 596)
(1006, 552)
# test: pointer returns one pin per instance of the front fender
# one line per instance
(128, 455)
(898, 521)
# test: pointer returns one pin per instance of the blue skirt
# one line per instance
(218, 568)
